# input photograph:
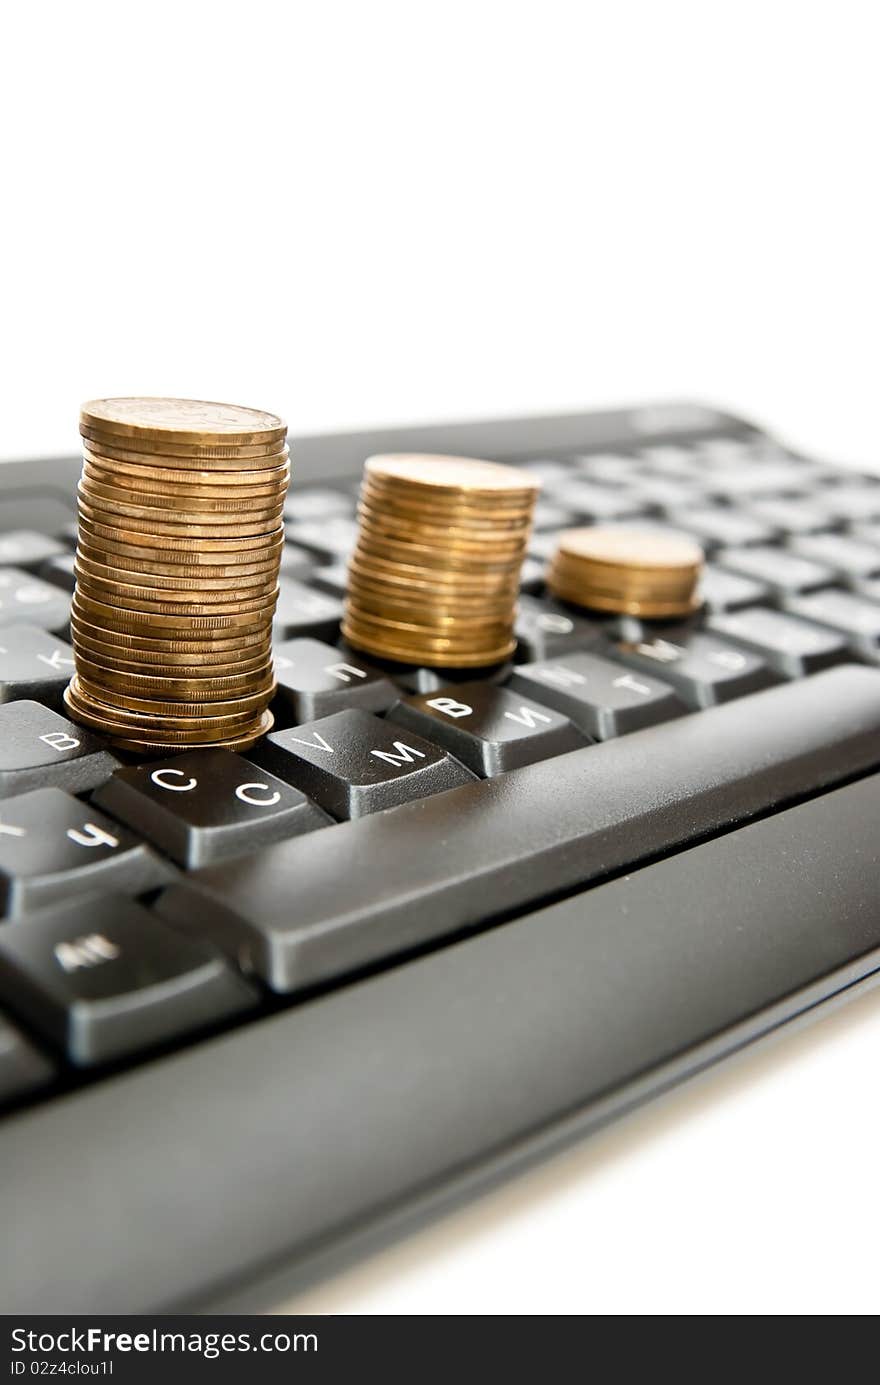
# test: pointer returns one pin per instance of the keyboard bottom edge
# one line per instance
(321, 1131)
(262, 1291)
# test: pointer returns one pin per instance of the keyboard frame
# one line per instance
(99, 1108)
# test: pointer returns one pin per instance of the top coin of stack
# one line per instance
(627, 571)
(178, 550)
(434, 577)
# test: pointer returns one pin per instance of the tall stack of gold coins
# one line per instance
(434, 577)
(627, 571)
(178, 551)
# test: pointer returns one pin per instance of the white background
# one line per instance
(367, 213)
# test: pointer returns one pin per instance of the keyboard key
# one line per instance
(724, 453)
(105, 977)
(791, 647)
(608, 467)
(40, 749)
(52, 847)
(28, 600)
(849, 558)
(332, 579)
(867, 533)
(334, 537)
(531, 576)
(547, 470)
(314, 680)
(544, 630)
(766, 478)
(543, 545)
(430, 680)
(492, 848)
(317, 503)
(728, 591)
(782, 572)
(22, 1068)
(790, 516)
(599, 696)
(550, 516)
(855, 504)
(490, 729)
(702, 669)
(59, 571)
(594, 502)
(296, 562)
(722, 528)
(302, 611)
(352, 763)
(33, 664)
(668, 460)
(208, 805)
(27, 549)
(854, 617)
(666, 493)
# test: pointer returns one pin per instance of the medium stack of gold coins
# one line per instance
(179, 545)
(627, 571)
(434, 578)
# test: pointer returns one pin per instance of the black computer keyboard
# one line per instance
(259, 1012)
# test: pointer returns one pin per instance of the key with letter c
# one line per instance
(208, 805)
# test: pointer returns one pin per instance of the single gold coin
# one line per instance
(194, 422)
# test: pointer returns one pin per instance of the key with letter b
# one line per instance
(208, 805)
(489, 729)
(353, 763)
(38, 748)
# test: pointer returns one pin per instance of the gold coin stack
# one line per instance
(178, 551)
(434, 577)
(627, 571)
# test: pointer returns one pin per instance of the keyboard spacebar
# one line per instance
(335, 901)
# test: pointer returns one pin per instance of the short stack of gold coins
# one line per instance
(178, 551)
(627, 571)
(434, 577)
